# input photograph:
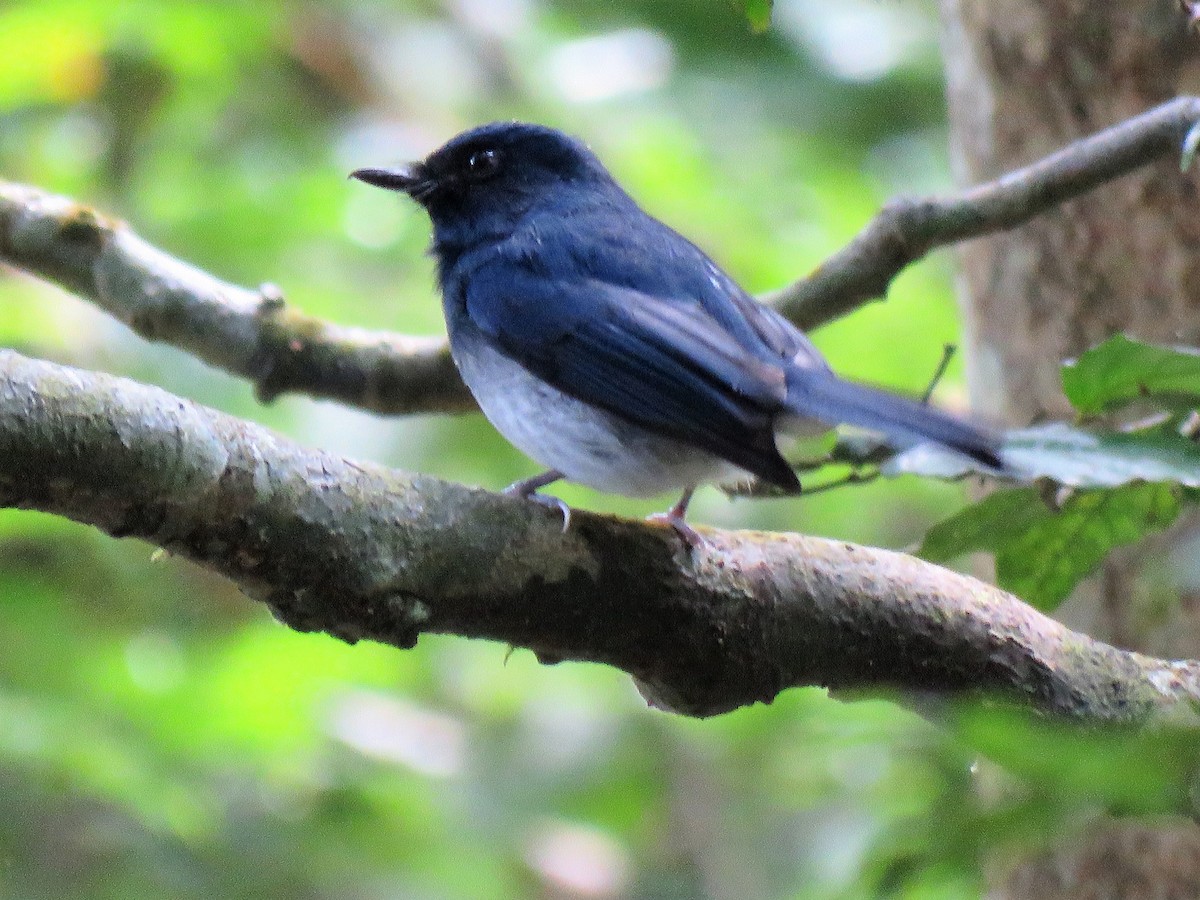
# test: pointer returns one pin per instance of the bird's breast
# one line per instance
(587, 444)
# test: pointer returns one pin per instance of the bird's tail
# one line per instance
(813, 395)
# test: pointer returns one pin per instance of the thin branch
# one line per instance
(854, 476)
(249, 333)
(361, 552)
(906, 229)
(948, 352)
(254, 334)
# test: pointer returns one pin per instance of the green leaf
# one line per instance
(1121, 370)
(1069, 456)
(1132, 771)
(759, 14)
(1041, 553)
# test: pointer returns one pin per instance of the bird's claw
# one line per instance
(552, 502)
(548, 500)
(527, 489)
(686, 532)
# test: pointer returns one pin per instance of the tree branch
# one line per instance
(361, 552)
(254, 334)
(906, 229)
(250, 333)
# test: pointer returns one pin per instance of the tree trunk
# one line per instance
(1024, 78)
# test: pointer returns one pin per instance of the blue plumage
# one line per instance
(608, 347)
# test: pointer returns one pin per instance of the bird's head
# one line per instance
(485, 179)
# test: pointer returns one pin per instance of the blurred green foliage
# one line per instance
(1043, 548)
(1095, 490)
(163, 737)
(1122, 371)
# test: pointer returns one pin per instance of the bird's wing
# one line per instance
(631, 249)
(664, 364)
(777, 332)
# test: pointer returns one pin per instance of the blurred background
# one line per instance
(161, 736)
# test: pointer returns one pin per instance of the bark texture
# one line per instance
(1025, 77)
(1121, 861)
(250, 333)
(361, 552)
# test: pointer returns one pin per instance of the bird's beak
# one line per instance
(408, 179)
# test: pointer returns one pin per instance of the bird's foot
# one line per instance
(552, 502)
(686, 532)
(527, 489)
(675, 518)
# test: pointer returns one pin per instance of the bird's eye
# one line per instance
(483, 164)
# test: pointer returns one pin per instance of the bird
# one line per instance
(609, 348)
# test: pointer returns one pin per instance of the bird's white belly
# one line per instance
(588, 445)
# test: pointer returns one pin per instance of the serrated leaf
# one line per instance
(1070, 456)
(1121, 370)
(1042, 553)
(758, 12)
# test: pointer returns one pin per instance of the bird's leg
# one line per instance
(675, 518)
(527, 489)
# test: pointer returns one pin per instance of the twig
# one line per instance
(854, 476)
(948, 352)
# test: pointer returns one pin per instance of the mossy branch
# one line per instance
(361, 552)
